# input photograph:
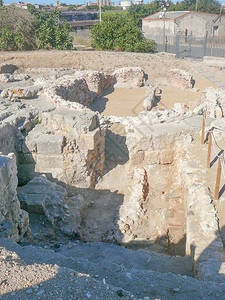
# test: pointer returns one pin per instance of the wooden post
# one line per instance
(217, 190)
(209, 149)
(203, 129)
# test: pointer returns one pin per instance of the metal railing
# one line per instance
(189, 46)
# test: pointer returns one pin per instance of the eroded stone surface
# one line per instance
(180, 78)
(14, 222)
(129, 77)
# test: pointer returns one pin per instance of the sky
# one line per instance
(73, 1)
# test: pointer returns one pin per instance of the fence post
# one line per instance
(217, 189)
(204, 47)
(177, 45)
(203, 129)
(209, 149)
(190, 45)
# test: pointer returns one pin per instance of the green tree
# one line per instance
(51, 32)
(118, 31)
(16, 29)
(1, 2)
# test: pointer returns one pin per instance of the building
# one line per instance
(184, 23)
(126, 4)
(81, 19)
(103, 2)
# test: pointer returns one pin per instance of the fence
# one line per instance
(189, 46)
(218, 152)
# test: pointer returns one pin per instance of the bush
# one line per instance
(16, 29)
(23, 30)
(52, 33)
(119, 31)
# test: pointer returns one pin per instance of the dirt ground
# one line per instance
(123, 102)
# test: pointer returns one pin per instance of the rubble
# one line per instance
(212, 102)
(40, 196)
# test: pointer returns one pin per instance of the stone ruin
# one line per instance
(53, 160)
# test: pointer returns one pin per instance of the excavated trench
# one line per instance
(118, 210)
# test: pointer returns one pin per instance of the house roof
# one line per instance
(173, 15)
(170, 15)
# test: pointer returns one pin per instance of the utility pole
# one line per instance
(100, 11)
(163, 15)
(196, 5)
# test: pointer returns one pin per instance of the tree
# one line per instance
(16, 29)
(51, 32)
(1, 2)
(118, 31)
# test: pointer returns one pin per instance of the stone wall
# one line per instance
(203, 241)
(155, 192)
(14, 222)
(67, 146)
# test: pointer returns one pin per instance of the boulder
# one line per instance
(41, 196)
(129, 77)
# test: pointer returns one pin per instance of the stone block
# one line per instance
(91, 139)
(166, 157)
(137, 158)
(49, 144)
(152, 157)
(45, 162)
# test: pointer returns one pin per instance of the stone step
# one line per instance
(140, 283)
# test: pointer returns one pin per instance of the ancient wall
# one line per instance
(67, 146)
(14, 222)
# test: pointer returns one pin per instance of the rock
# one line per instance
(212, 102)
(149, 101)
(21, 93)
(180, 78)
(6, 78)
(129, 77)
(8, 68)
(97, 81)
(14, 222)
(41, 196)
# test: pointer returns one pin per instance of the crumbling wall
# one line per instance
(180, 78)
(67, 146)
(14, 222)
(203, 241)
(155, 211)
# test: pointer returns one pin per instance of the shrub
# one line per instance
(119, 31)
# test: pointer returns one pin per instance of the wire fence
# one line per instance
(189, 46)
